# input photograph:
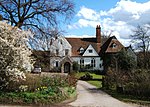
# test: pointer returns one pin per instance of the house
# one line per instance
(60, 55)
(109, 49)
(87, 52)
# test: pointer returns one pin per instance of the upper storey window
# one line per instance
(57, 52)
(81, 50)
(61, 42)
(66, 51)
(90, 51)
(113, 45)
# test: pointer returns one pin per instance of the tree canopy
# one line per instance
(41, 16)
(125, 60)
(34, 13)
(141, 37)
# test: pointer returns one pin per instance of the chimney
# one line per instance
(98, 34)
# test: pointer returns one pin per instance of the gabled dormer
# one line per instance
(81, 50)
(90, 51)
(112, 45)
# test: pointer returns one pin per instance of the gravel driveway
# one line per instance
(89, 96)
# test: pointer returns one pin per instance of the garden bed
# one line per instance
(41, 90)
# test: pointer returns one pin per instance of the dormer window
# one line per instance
(113, 45)
(90, 51)
(81, 50)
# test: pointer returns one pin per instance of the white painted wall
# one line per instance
(86, 53)
(61, 44)
(87, 60)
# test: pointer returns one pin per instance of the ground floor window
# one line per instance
(100, 65)
(93, 63)
(81, 63)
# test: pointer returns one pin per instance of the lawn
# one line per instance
(96, 80)
(98, 84)
(95, 76)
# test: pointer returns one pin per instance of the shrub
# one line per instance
(38, 89)
(109, 81)
(139, 83)
(75, 66)
(134, 83)
(87, 76)
(14, 54)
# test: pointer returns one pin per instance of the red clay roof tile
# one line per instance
(77, 43)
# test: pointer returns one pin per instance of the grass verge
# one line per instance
(128, 98)
(98, 84)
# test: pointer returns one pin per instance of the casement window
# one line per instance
(93, 64)
(100, 65)
(90, 51)
(113, 45)
(61, 42)
(66, 52)
(57, 52)
(81, 63)
(81, 50)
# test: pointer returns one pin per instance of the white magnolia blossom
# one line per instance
(14, 52)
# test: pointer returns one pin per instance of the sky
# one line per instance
(118, 17)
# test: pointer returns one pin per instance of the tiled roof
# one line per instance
(77, 43)
(107, 47)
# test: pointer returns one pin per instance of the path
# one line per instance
(89, 96)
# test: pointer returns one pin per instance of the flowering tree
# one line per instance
(14, 54)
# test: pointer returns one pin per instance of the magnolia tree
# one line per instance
(14, 54)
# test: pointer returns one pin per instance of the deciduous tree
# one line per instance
(34, 13)
(41, 16)
(14, 54)
(141, 38)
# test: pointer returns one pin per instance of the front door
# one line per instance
(67, 67)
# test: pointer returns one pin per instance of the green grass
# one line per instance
(42, 97)
(95, 81)
(128, 98)
(95, 76)
(79, 74)
(41, 90)
(98, 84)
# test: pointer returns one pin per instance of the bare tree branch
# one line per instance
(35, 14)
(21, 10)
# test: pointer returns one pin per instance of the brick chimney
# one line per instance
(98, 34)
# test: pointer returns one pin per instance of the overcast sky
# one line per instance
(117, 16)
